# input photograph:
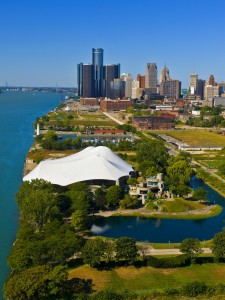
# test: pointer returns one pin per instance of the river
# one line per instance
(18, 111)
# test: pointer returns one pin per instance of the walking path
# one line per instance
(113, 118)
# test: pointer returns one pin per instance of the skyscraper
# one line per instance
(193, 83)
(93, 80)
(97, 61)
(151, 77)
(165, 75)
(211, 80)
(110, 72)
(88, 80)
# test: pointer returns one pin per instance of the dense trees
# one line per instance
(41, 282)
(179, 173)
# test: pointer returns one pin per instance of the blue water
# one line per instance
(18, 111)
(164, 230)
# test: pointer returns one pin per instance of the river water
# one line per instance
(18, 111)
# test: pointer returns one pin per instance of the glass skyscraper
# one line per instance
(93, 80)
(97, 61)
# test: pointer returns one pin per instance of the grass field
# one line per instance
(81, 119)
(196, 137)
(147, 279)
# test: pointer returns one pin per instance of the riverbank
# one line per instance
(207, 212)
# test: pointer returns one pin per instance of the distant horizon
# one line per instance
(42, 42)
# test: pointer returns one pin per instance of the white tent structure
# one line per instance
(88, 164)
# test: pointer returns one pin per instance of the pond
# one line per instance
(164, 230)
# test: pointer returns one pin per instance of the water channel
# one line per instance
(164, 230)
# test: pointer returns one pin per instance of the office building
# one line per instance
(88, 81)
(200, 88)
(210, 92)
(110, 72)
(128, 84)
(141, 79)
(170, 89)
(193, 83)
(164, 75)
(211, 80)
(97, 62)
(117, 88)
(151, 77)
(93, 80)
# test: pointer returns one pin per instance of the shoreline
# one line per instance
(203, 213)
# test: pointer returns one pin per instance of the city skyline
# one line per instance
(42, 42)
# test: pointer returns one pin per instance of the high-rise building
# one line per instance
(141, 79)
(88, 80)
(151, 77)
(200, 88)
(110, 72)
(170, 89)
(97, 61)
(193, 83)
(211, 92)
(117, 88)
(165, 75)
(211, 80)
(128, 86)
(97, 77)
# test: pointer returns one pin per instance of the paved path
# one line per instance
(113, 118)
(172, 251)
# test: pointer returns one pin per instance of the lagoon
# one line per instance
(163, 230)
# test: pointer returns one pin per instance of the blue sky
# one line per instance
(43, 40)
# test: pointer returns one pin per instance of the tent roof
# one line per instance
(88, 164)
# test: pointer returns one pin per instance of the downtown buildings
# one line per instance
(95, 79)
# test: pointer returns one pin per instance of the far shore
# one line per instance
(206, 212)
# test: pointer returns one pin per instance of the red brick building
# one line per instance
(89, 101)
(114, 105)
(151, 123)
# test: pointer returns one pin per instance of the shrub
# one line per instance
(194, 289)
(168, 262)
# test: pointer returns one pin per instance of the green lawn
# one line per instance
(196, 137)
(182, 205)
(147, 279)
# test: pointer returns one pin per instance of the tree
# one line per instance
(191, 247)
(99, 197)
(80, 200)
(218, 245)
(126, 249)
(154, 151)
(132, 181)
(129, 202)
(40, 282)
(79, 220)
(113, 195)
(200, 194)
(38, 207)
(93, 252)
